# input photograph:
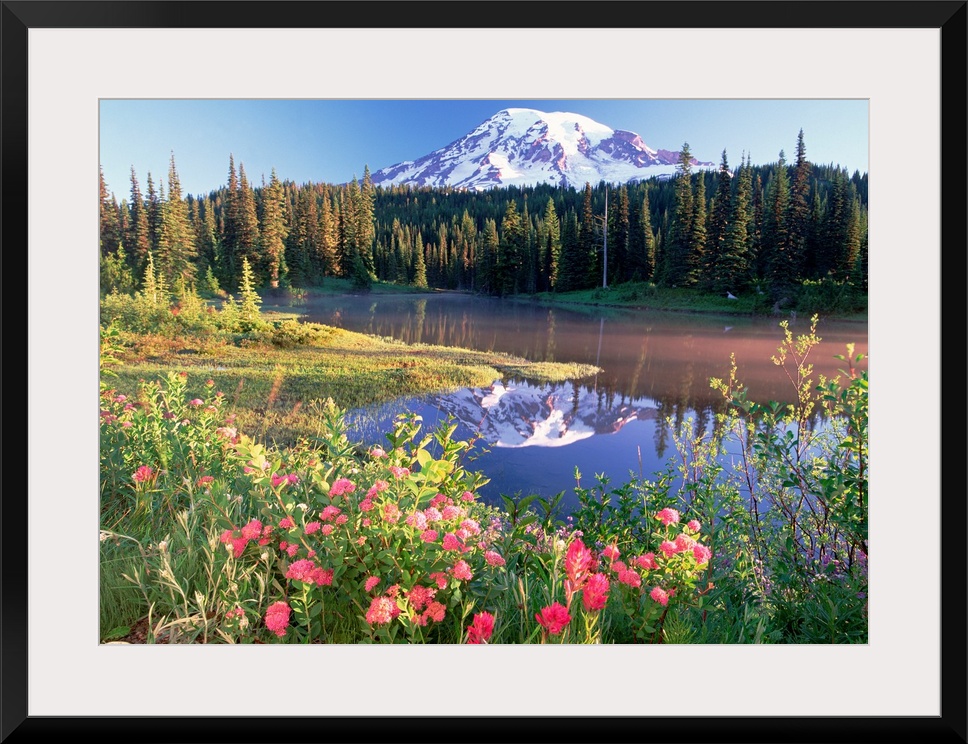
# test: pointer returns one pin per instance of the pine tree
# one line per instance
(676, 267)
(247, 237)
(719, 221)
(572, 273)
(273, 229)
(420, 265)
(695, 258)
(619, 228)
(732, 269)
(511, 252)
(250, 302)
(551, 246)
(176, 242)
(775, 243)
(587, 244)
(137, 239)
(109, 230)
(798, 214)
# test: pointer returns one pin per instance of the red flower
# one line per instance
(579, 563)
(553, 618)
(277, 618)
(595, 594)
(481, 628)
(143, 474)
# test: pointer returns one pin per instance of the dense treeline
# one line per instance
(767, 228)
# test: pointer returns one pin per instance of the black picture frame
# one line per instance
(948, 16)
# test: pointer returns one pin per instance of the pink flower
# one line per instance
(313, 527)
(481, 628)
(701, 553)
(143, 474)
(693, 525)
(419, 596)
(366, 505)
(435, 611)
(553, 618)
(120, 398)
(630, 578)
(467, 496)
(646, 561)
(309, 573)
(377, 452)
(441, 578)
(205, 480)
(400, 472)
(462, 571)
(493, 558)
(668, 516)
(292, 549)
(252, 530)
(433, 514)
(450, 512)
(428, 536)
(660, 595)
(684, 542)
(238, 546)
(471, 526)
(391, 513)
(126, 424)
(286, 523)
(611, 552)
(279, 479)
(277, 618)
(378, 487)
(579, 563)
(417, 520)
(341, 486)
(669, 548)
(196, 402)
(329, 513)
(371, 582)
(439, 499)
(595, 593)
(342, 519)
(227, 432)
(451, 542)
(382, 611)
(327, 529)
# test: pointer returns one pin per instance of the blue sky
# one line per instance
(332, 140)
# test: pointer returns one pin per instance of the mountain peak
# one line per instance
(525, 147)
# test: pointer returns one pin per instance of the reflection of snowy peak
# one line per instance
(524, 147)
(523, 415)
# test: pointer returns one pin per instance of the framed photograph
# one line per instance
(72, 73)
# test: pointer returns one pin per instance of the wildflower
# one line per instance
(462, 571)
(196, 402)
(327, 529)
(493, 558)
(417, 520)
(553, 618)
(579, 562)
(279, 479)
(377, 452)
(428, 536)
(238, 546)
(341, 486)
(342, 519)
(669, 548)
(120, 398)
(693, 525)
(419, 596)
(467, 496)
(313, 527)
(646, 561)
(450, 512)
(126, 424)
(252, 530)
(391, 513)
(227, 432)
(439, 499)
(400, 472)
(209, 383)
(329, 513)
(441, 578)
(451, 542)
(684, 542)
(611, 552)
(619, 566)
(595, 593)
(277, 618)
(701, 553)
(371, 582)
(143, 474)
(668, 516)
(378, 487)
(366, 523)
(481, 628)
(382, 611)
(366, 505)
(660, 595)
(286, 523)
(432, 513)
(471, 526)
(292, 549)
(630, 578)
(435, 611)
(205, 480)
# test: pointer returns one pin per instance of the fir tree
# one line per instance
(676, 267)
(273, 229)
(176, 243)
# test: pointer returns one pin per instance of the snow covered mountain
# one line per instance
(525, 147)
(525, 415)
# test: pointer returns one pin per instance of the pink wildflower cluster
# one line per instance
(553, 618)
(399, 472)
(382, 611)
(282, 479)
(481, 628)
(143, 474)
(341, 486)
(309, 573)
(253, 531)
(594, 594)
(277, 618)
(462, 571)
(667, 516)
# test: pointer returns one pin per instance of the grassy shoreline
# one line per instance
(273, 380)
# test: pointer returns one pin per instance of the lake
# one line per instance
(655, 365)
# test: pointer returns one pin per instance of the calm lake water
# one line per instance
(655, 365)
